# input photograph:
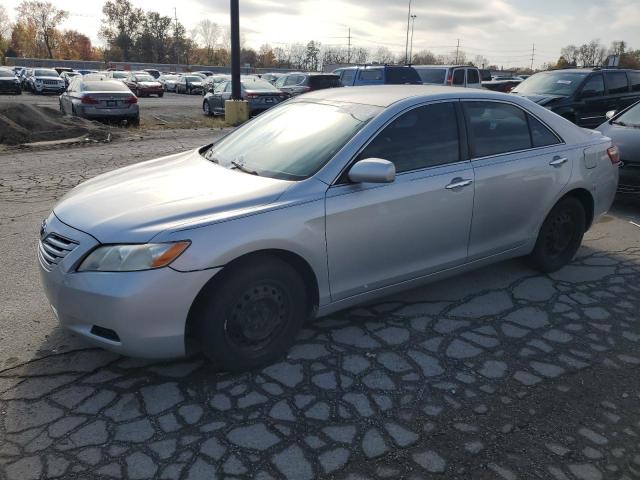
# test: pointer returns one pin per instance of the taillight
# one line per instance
(450, 79)
(614, 155)
(306, 89)
(251, 95)
(132, 99)
(89, 100)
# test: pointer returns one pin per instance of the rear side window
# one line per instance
(432, 75)
(402, 75)
(496, 128)
(458, 77)
(472, 76)
(423, 137)
(634, 78)
(347, 77)
(371, 75)
(594, 87)
(617, 82)
(541, 136)
(321, 81)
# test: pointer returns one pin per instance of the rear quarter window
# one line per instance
(435, 76)
(617, 82)
(324, 81)
(472, 76)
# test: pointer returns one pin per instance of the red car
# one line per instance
(143, 84)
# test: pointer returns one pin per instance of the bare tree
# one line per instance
(571, 54)
(424, 57)
(592, 54)
(618, 47)
(383, 55)
(5, 23)
(208, 33)
(45, 17)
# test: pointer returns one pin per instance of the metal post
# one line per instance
(413, 24)
(406, 48)
(235, 51)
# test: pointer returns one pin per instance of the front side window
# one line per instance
(617, 82)
(496, 128)
(423, 137)
(347, 78)
(634, 77)
(458, 77)
(280, 82)
(594, 87)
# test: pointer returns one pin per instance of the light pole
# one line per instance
(413, 24)
(235, 51)
(406, 48)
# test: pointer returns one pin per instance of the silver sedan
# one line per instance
(96, 97)
(329, 200)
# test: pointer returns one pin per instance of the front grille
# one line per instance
(51, 82)
(53, 248)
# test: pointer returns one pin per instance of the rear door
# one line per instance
(347, 77)
(473, 78)
(520, 166)
(458, 78)
(618, 88)
(593, 103)
(383, 234)
(369, 76)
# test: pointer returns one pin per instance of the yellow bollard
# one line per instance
(236, 111)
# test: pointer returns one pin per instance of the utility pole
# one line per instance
(413, 23)
(457, 51)
(533, 55)
(349, 47)
(235, 51)
(406, 48)
(175, 37)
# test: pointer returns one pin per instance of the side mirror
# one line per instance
(610, 114)
(373, 170)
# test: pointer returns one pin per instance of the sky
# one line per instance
(503, 31)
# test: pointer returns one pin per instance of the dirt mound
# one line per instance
(20, 123)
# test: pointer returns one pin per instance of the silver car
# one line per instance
(329, 200)
(95, 97)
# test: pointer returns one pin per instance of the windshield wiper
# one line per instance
(622, 124)
(241, 167)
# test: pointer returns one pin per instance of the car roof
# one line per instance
(443, 66)
(387, 95)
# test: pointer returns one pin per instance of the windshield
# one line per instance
(631, 117)
(193, 78)
(551, 83)
(46, 73)
(145, 78)
(293, 141)
(119, 74)
(6, 73)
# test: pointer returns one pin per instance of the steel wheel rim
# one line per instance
(560, 234)
(258, 316)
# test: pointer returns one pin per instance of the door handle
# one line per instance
(458, 183)
(558, 161)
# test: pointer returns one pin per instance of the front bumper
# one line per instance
(146, 310)
(49, 88)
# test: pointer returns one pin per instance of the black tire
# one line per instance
(560, 236)
(135, 122)
(252, 314)
(188, 91)
(61, 108)
(160, 95)
(206, 109)
(18, 92)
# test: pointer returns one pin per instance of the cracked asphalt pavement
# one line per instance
(501, 373)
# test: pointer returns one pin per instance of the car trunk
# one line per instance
(108, 99)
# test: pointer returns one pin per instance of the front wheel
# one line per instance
(560, 236)
(161, 94)
(252, 315)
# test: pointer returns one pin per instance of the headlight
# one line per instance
(130, 258)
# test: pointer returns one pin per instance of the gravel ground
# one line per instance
(501, 373)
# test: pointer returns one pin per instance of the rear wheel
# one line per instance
(206, 109)
(251, 317)
(560, 236)
(161, 94)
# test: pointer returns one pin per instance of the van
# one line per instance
(451, 75)
(378, 75)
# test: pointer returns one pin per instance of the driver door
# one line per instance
(383, 234)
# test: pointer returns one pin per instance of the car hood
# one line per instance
(135, 203)
(627, 139)
(541, 99)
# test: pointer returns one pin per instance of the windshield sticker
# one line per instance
(565, 82)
